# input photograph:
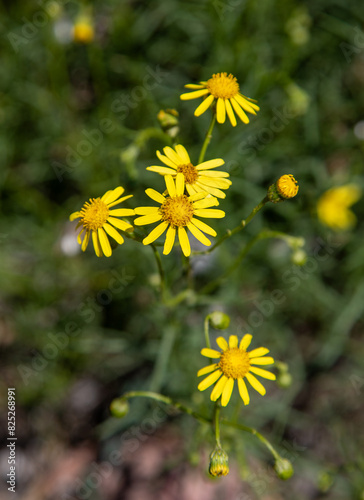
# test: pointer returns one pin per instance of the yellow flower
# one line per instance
(333, 207)
(83, 31)
(97, 219)
(284, 188)
(235, 363)
(178, 211)
(198, 178)
(225, 90)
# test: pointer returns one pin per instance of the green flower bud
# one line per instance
(219, 463)
(283, 468)
(219, 320)
(299, 257)
(284, 378)
(119, 407)
(168, 120)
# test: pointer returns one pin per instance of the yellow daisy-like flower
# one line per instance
(333, 208)
(177, 212)
(235, 363)
(98, 220)
(224, 90)
(197, 178)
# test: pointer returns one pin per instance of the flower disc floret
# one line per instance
(235, 364)
(224, 90)
(99, 221)
(198, 178)
(176, 213)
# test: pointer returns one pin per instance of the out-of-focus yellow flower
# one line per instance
(333, 208)
(83, 31)
(225, 90)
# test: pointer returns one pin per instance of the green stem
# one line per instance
(168, 401)
(165, 399)
(217, 423)
(231, 232)
(207, 139)
(254, 432)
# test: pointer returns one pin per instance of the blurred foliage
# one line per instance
(78, 119)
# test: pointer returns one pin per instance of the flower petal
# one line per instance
(147, 219)
(86, 239)
(205, 104)
(199, 235)
(219, 183)
(230, 113)
(194, 95)
(220, 110)
(172, 155)
(214, 173)
(206, 203)
(146, 210)
(157, 231)
(233, 341)
(246, 105)
(120, 224)
(207, 165)
(210, 353)
(162, 170)
(267, 360)
(74, 216)
(171, 188)
(213, 213)
(245, 341)
(254, 382)
(170, 237)
(166, 160)
(113, 233)
(116, 202)
(243, 391)
(104, 242)
(182, 153)
(194, 86)
(207, 369)
(121, 212)
(221, 342)
(180, 184)
(219, 387)
(241, 114)
(208, 381)
(112, 195)
(226, 393)
(217, 193)
(155, 196)
(204, 227)
(97, 246)
(262, 373)
(184, 241)
(256, 353)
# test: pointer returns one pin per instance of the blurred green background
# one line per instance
(80, 118)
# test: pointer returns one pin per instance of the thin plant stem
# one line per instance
(202, 418)
(207, 138)
(217, 423)
(231, 232)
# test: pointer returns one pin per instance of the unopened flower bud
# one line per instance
(284, 378)
(283, 468)
(219, 463)
(285, 188)
(219, 320)
(299, 257)
(168, 120)
(119, 407)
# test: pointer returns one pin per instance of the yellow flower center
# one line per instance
(287, 186)
(189, 171)
(221, 85)
(234, 363)
(178, 211)
(94, 214)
